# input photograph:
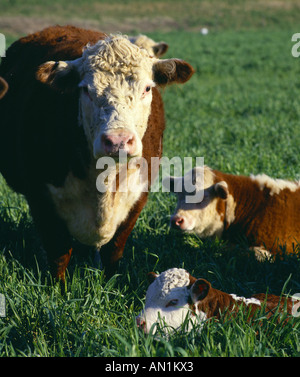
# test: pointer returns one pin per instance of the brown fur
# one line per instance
(41, 143)
(216, 302)
(269, 221)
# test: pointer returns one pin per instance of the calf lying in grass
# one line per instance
(265, 211)
(175, 294)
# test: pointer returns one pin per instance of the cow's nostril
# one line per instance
(177, 221)
(107, 142)
(130, 141)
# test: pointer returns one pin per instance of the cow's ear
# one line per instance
(62, 76)
(151, 277)
(221, 190)
(169, 71)
(3, 87)
(160, 49)
(199, 290)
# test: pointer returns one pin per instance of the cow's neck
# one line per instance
(245, 198)
(215, 303)
(116, 203)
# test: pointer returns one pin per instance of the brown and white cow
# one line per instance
(264, 210)
(174, 297)
(77, 95)
(3, 87)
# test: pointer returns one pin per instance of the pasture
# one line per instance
(241, 112)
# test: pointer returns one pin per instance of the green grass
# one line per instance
(241, 113)
(171, 14)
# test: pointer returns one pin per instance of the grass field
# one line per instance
(241, 112)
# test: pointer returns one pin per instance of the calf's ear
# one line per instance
(199, 290)
(3, 87)
(151, 277)
(62, 76)
(169, 71)
(221, 190)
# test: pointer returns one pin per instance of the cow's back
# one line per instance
(53, 43)
(40, 140)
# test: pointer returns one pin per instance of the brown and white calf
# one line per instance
(264, 210)
(175, 296)
(74, 96)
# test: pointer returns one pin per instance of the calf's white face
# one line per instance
(203, 217)
(168, 301)
(116, 79)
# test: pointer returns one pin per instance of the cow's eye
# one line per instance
(146, 91)
(172, 303)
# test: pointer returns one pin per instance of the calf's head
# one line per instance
(115, 78)
(171, 298)
(205, 217)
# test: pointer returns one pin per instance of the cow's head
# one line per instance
(172, 298)
(116, 78)
(3, 87)
(206, 217)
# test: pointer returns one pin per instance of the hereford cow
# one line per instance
(75, 96)
(175, 296)
(3, 87)
(263, 210)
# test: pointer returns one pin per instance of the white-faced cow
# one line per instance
(77, 95)
(263, 210)
(175, 297)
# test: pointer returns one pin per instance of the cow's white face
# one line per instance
(201, 218)
(116, 96)
(116, 79)
(168, 302)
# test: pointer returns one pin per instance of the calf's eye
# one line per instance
(172, 303)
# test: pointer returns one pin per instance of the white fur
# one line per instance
(246, 301)
(275, 185)
(93, 218)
